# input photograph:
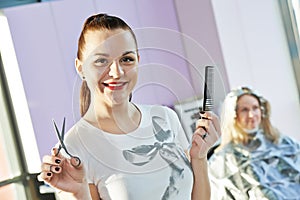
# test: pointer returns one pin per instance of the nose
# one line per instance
(115, 70)
(251, 113)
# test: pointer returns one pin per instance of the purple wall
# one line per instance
(45, 38)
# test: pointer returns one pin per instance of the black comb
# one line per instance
(208, 102)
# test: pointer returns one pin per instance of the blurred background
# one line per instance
(251, 43)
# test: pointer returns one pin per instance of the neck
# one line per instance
(116, 119)
(250, 131)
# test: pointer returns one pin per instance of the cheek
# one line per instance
(132, 74)
(94, 75)
(93, 80)
(259, 118)
(241, 119)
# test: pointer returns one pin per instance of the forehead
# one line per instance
(111, 42)
(247, 99)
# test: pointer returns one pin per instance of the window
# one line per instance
(10, 3)
(291, 18)
(11, 167)
(19, 157)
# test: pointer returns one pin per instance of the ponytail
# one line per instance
(85, 98)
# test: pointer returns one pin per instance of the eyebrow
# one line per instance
(107, 55)
(128, 52)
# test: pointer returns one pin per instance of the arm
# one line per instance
(198, 154)
(91, 193)
(201, 187)
(65, 175)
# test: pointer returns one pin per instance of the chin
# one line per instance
(251, 129)
(117, 100)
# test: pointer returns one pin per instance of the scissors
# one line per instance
(61, 136)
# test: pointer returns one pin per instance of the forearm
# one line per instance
(83, 194)
(201, 187)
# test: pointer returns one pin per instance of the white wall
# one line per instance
(201, 41)
(256, 53)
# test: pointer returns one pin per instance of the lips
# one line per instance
(115, 85)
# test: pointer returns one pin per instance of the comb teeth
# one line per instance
(208, 103)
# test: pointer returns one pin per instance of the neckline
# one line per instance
(140, 109)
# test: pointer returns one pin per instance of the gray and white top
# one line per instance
(148, 163)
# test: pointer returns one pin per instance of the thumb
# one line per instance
(76, 162)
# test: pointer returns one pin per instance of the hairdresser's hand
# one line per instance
(207, 132)
(66, 175)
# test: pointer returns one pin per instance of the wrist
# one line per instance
(199, 160)
(83, 193)
(199, 164)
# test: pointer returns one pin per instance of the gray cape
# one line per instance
(259, 170)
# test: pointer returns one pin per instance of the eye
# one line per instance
(101, 62)
(256, 108)
(243, 110)
(127, 60)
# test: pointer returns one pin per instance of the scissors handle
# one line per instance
(71, 156)
(61, 141)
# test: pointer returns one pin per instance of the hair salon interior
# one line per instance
(253, 43)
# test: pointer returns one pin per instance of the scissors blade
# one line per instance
(57, 132)
(63, 130)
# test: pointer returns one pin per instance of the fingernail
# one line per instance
(204, 118)
(202, 112)
(57, 169)
(48, 174)
(57, 161)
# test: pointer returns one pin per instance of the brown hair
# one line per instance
(96, 22)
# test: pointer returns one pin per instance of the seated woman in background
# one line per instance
(253, 161)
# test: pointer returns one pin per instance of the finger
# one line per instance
(202, 123)
(45, 176)
(52, 160)
(206, 129)
(200, 134)
(208, 115)
(197, 139)
(39, 178)
(208, 137)
(51, 168)
(55, 152)
(216, 121)
(204, 115)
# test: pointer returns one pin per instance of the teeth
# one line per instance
(116, 85)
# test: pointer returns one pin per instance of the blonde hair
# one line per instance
(231, 131)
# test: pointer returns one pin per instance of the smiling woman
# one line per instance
(128, 150)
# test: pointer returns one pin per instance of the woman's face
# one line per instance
(248, 112)
(109, 64)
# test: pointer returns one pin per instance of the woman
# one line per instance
(127, 151)
(253, 161)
